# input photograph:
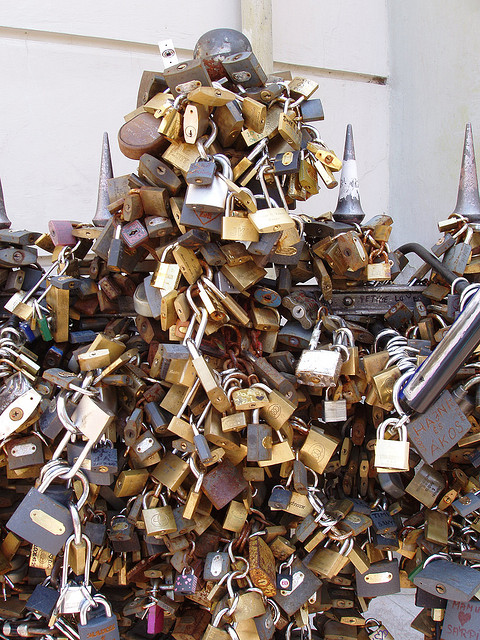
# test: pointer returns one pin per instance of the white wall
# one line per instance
(435, 89)
(71, 71)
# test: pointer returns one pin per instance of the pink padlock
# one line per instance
(61, 233)
(155, 619)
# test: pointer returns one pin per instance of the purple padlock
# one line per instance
(61, 233)
(134, 233)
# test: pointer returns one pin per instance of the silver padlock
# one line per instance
(334, 410)
(320, 368)
(72, 593)
(392, 455)
(212, 198)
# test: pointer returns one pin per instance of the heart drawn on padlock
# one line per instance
(464, 617)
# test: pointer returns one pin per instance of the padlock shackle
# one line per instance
(201, 327)
(276, 610)
(88, 560)
(87, 605)
(225, 165)
(229, 205)
(315, 337)
(270, 201)
(63, 414)
(192, 391)
(231, 632)
(77, 525)
(61, 469)
(434, 374)
(391, 422)
(345, 332)
(433, 262)
(436, 556)
(216, 620)
(257, 149)
(167, 249)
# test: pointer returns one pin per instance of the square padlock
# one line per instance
(134, 233)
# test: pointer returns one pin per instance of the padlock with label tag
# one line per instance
(381, 578)
(41, 519)
(217, 565)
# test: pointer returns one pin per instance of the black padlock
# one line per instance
(285, 583)
(385, 542)
(212, 255)
(102, 478)
(304, 584)
(381, 579)
(287, 163)
(194, 239)
(186, 583)
(96, 531)
(24, 452)
(41, 520)
(265, 245)
(43, 599)
(158, 174)
(279, 498)
(450, 580)
(102, 626)
(104, 458)
(311, 110)
(121, 529)
(382, 522)
(217, 564)
(265, 625)
(429, 600)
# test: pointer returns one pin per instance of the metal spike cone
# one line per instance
(4, 221)
(102, 214)
(349, 208)
(468, 199)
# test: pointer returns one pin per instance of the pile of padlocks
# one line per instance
(221, 418)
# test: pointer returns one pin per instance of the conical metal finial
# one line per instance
(468, 199)
(349, 208)
(4, 221)
(102, 214)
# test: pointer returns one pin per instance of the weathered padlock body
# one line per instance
(448, 580)
(319, 368)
